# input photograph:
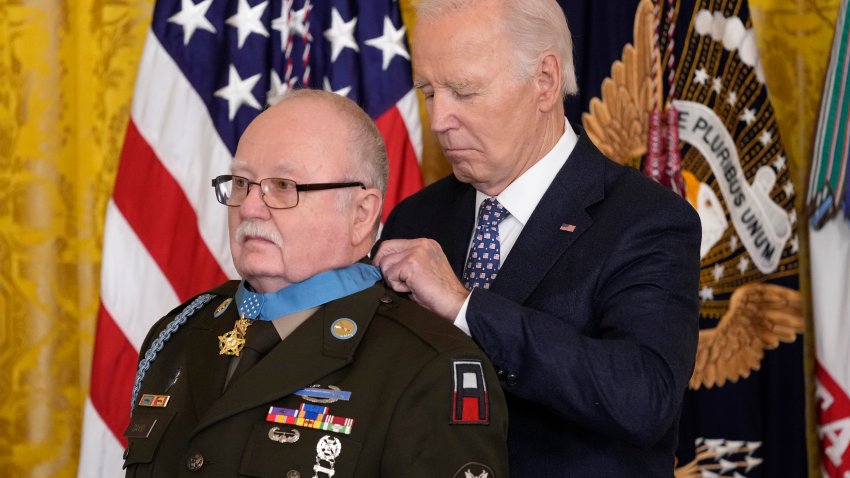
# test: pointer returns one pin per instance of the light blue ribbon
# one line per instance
(315, 291)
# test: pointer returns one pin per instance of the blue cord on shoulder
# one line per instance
(163, 337)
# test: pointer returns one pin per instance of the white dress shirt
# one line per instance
(520, 198)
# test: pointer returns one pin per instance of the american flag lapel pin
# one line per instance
(568, 227)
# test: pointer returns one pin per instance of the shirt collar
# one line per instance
(521, 197)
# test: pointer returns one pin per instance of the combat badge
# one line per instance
(317, 394)
(327, 450)
(470, 404)
(474, 470)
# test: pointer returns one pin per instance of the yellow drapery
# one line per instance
(66, 77)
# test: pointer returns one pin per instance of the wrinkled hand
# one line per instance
(419, 266)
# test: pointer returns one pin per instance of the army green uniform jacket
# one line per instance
(424, 400)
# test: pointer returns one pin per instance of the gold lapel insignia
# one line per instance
(222, 307)
(343, 328)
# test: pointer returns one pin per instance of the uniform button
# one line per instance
(293, 474)
(195, 462)
(511, 380)
(386, 299)
(500, 374)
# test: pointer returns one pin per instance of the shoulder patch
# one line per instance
(470, 404)
(474, 470)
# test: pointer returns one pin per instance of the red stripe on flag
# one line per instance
(157, 209)
(113, 372)
(405, 176)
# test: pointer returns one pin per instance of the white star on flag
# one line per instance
(748, 116)
(277, 88)
(298, 24)
(391, 43)
(341, 34)
(281, 23)
(792, 216)
(191, 17)
(733, 242)
(247, 20)
(238, 92)
(706, 293)
(700, 76)
(732, 98)
(795, 244)
(341, 92)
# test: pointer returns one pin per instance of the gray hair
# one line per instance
(368, 148)
(534, 25)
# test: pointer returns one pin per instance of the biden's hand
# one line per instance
(418, 266)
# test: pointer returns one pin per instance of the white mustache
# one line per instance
(252, 228)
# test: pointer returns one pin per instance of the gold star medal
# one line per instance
(232, 342)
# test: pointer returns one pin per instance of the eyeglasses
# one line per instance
(277, 193)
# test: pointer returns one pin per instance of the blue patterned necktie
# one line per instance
(482, 263)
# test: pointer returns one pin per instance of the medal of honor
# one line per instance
(232, 342)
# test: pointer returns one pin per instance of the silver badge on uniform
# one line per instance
(327, 450)
(283, 436)
(474, 470)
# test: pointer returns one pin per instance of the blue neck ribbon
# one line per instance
(313, 292)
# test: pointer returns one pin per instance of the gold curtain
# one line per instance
(795, 38)
(67, 69)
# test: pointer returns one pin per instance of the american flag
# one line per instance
(207, 70)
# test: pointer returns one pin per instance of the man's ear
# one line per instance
(548, 79)
(366, 211)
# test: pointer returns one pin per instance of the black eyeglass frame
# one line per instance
(218, 180)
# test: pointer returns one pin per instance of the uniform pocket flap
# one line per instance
(144, 434)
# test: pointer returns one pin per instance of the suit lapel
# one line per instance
(308, 354)
(546, 236)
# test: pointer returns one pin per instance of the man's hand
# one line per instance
(419, 266)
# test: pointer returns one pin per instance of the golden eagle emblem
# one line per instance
(760, 316)
(757, 316)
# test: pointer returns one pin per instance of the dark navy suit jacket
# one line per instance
(593, 328)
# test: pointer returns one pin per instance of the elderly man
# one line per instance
(583, 273)
(308, 367)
